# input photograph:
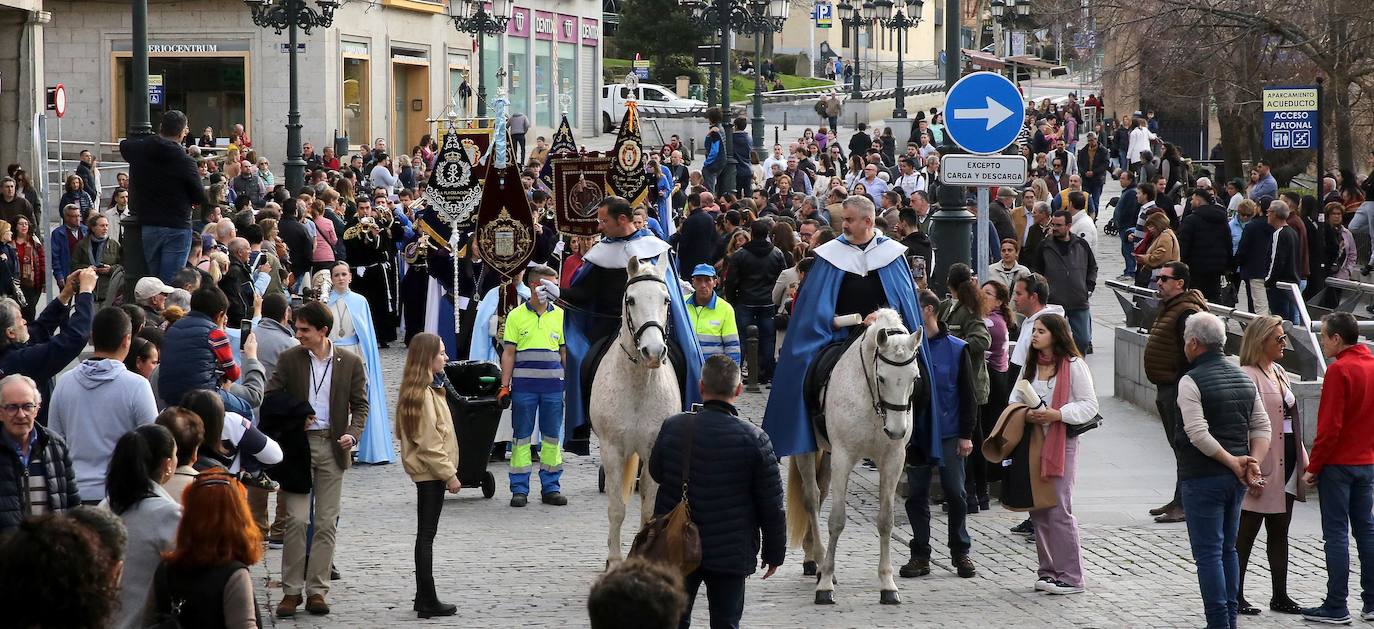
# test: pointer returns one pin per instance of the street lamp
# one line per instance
(899, 22)
(852, 18)
(764, 17)
(738, 16)
(1006, 13)
(473, 18)
(291, 16)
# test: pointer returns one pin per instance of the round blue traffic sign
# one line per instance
(984, 112)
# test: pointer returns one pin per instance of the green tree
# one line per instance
(656, 29)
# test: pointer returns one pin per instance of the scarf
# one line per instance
(1056, 437)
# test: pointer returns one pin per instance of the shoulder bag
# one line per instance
(672, 539)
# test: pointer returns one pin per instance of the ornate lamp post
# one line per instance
(737, 16)
(899, 22)
(1006, 13)
(851, 17)
(473, 18)
(764, 17)
(291, 16)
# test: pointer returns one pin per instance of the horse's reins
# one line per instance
(881, 406)
(638, 333)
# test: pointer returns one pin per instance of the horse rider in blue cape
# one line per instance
(594, 301)
(855, 274)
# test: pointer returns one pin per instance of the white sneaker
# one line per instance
(1043, 584)
(1060, 588)
(1367, 615)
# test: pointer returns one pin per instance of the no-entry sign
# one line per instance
(57, 99)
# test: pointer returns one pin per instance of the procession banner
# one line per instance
(563, 146)
(505, 225)
(455, 188)
(580, 183)
(627, 171)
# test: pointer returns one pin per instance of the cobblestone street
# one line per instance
(533, 566)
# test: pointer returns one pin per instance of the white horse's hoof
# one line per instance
(889, 597)
(809, 568)
(825, 597)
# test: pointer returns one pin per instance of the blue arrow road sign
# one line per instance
(984, 112)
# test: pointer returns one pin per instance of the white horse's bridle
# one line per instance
(638, 333)
(881, 406)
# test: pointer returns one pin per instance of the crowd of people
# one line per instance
(244, 363)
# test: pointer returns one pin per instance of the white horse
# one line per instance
(867, 403)
(635, 388)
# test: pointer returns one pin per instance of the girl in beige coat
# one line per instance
(429, 453)
(1272, 504)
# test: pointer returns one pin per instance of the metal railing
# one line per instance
(1141, 307)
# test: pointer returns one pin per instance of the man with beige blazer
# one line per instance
(334, 384)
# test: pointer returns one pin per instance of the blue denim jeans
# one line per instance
(1281, 304)
(761, 316)
(918, 502)
(1213, 507)
(165, 249)
(1081, 324)
(1347, 496)
(1128, 250)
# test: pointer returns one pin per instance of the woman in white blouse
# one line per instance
(1058, 374)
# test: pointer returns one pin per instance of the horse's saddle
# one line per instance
(818, 376)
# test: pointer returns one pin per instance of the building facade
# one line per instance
(22, 93)
(382, 70)
(824, 39)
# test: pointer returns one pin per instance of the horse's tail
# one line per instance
(798, 521)
(628, 474)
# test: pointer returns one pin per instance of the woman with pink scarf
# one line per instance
(1059, 376)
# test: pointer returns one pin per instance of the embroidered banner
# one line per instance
(580, 183)
(505, 225)
(455, 187)
(627, 172)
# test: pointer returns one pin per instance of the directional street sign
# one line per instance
(984, 112)
(983, 170)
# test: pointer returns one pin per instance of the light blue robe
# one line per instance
(376, 443)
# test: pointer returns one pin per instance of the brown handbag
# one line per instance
(672, 539)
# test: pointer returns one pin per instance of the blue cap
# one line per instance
(704, 270)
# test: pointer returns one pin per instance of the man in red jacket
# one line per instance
(1342, 466)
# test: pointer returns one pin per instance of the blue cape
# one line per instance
(811, 328)
(680, 333)
(375, 445)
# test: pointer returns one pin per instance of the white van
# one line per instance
(652, 99)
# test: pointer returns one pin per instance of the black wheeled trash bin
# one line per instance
(472, 389)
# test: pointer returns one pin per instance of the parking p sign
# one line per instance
(1290, 119)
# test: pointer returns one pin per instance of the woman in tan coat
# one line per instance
(1159, 248)
(1272, 505)
(429, 453)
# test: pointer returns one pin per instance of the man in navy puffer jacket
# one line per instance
(733, 487)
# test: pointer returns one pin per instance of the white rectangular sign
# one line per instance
(983, 170)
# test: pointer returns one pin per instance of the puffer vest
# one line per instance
(188, 362)
(1164, 359)
(1228, 400)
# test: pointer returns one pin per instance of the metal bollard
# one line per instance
(784, 119)
(776, 139)
(751, 357)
